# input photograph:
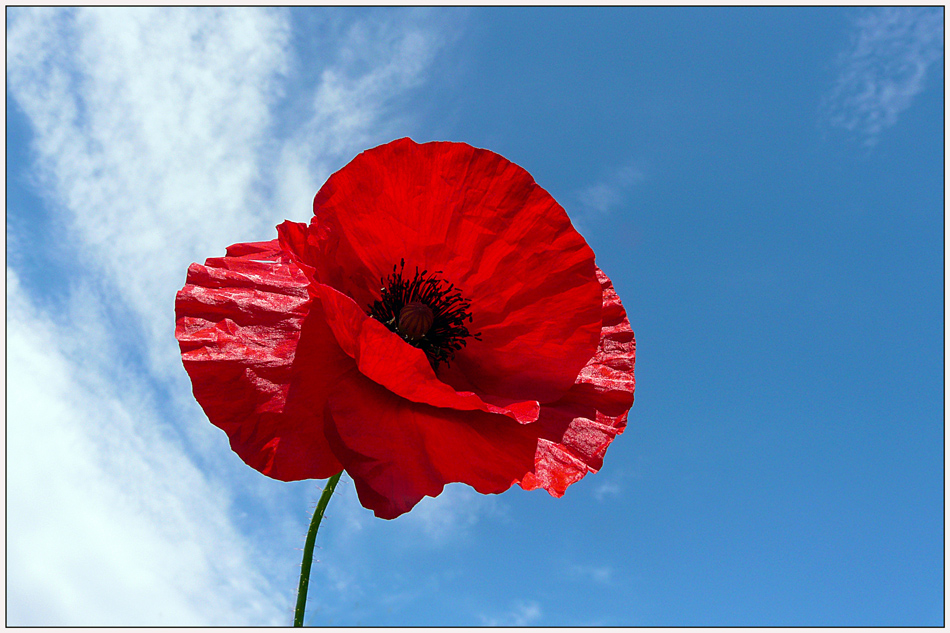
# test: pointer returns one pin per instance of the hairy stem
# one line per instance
(308, 549)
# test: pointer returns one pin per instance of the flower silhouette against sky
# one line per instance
(439, 320)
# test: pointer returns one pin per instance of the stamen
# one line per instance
(427, 312)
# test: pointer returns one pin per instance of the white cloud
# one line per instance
(884, 68)
(602, 575)
(523, 614)
(605, 196)
(354, 106)
(108, 523)
(450, 517)
(156, 144)
(607, 488)
(608, 194)
(149, 129)
(156, 131)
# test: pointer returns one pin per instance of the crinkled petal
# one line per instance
(399, 451)
(575, 431)
(490, 230)
(261, 358)
(385, 358)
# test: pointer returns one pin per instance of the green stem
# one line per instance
(308, 549)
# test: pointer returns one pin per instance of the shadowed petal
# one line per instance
(399, 451)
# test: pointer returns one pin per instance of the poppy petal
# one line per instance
(386, 359)
(261, 358)
(399, 451)
(575, 431)
(405, 370)
(490, 230)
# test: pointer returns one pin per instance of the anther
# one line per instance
(426, 311)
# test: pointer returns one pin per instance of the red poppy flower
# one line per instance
(439, 320)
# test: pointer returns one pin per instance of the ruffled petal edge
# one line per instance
(575, 431)
(239, 321)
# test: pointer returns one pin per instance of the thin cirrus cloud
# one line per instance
(605, 196)
(609, 193)
(107, 523)
(523, 613)
(148, 126)
(601, 575)
(155, 143)
(885, 67)
(608, 488)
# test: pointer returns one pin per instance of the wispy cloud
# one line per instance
(525, 613)
(605, 196)
(156, 134)
(355, 104)
(149, 129)
(884, 68)
(156, 144)
(450, 516)
(108, 523)
(609, 193)
(607, 488)
(600, 574)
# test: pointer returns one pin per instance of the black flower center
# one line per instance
(426, 311)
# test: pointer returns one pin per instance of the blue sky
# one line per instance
(764, 187)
